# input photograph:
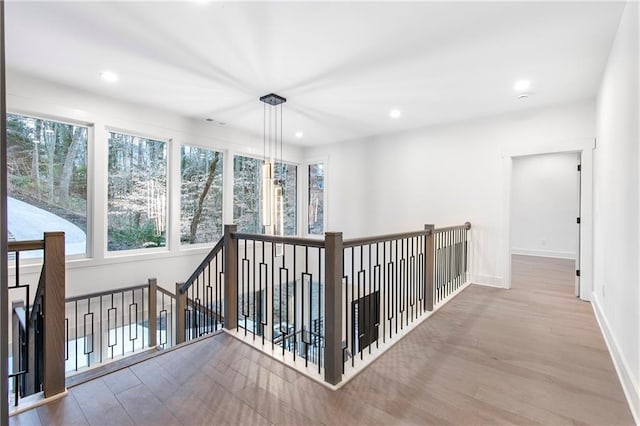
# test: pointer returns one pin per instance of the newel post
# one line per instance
(53, 309)
(181, 312)
(428, 268)
(153, 315)
(230, 278)
(333, 252)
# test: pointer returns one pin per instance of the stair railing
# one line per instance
(37, 333)
(326, 306)
(199, 300)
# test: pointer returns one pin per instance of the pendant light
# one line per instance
(272, 179)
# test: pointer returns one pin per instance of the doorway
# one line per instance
(545, 220)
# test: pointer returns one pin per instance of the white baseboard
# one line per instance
(487, 280)
(544, 253)
(628, 381)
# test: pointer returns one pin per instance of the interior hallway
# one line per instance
(532, 354)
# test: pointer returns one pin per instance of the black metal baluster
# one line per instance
(253, 292)
(273, 281)
(320, 318)
(76, 334)
(385, 293)
(295, 304)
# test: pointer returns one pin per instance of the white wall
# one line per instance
(103, 270)
(446, 175)
(544, 205)
(616, 209)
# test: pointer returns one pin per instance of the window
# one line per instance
(315, 221)
(137, 205)
(47, 180)
(288, 174)
(200, 195)
(247, 181)
(247, 194)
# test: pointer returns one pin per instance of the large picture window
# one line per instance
(47, 180)
(315, 221)
(247, 194)
(200, 195)
(137, 205)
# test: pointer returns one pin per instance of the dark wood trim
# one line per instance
(181, 306)
(333, 258)
(354, 242)
(309, 242)
(467, 225)
(167, 292)
(428, 268)
(106, 292)
(201, 267)
(54, 313)
(230, 307)
(4, 291)
(27, 245)
(153, 316)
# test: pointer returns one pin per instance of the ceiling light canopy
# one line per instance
(395, 113)
(299, 135)
(109, 76)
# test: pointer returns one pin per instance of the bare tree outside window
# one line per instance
(200, 195)
(247, 194)
(315, 221)
(137, 208)
(47, 180)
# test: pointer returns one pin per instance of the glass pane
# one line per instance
(288, 173)
(247, 194)
(200, 195)
(137, 209)
(315, 223)
(47, 181)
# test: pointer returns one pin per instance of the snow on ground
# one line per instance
(27, 222)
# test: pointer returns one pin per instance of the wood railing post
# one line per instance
(181, 307)
(54, 313)
(230, 300)
(333, 258)
(428, 268)
(153, 315)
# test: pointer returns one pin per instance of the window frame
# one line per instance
(233, 154)
(108, 254)
(225, 161)
(89, 232)
(325, 198)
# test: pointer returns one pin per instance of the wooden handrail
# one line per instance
(353, 242)
(38, 297)
(167, 292)
(201, 267)
(298, 241)
(467, 226)
(106, 292)
(27, 245)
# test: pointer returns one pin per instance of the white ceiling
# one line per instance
(342, 66)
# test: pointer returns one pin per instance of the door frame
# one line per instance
(585, 148)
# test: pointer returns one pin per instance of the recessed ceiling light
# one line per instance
(395, 113)
(299, 135)
(522, 86)
(109, 76)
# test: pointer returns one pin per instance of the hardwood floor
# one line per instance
(529, 355)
